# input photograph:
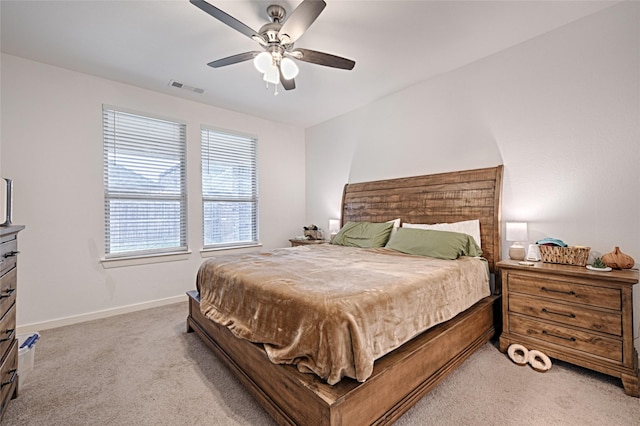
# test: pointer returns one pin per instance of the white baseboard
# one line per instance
(76, 319)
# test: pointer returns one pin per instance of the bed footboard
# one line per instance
(399, 379)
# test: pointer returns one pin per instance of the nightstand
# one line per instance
(295, 242)
(572, 314)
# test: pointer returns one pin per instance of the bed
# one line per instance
(404, 375)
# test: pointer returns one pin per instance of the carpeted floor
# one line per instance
(144, 369)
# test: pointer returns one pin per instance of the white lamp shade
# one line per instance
(334, 226)
(263, 61)
(517, 231)
(288, 68)
(272, 75)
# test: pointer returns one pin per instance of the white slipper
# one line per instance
(518, 354)
(539, 361)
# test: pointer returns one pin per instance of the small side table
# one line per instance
(295, 242)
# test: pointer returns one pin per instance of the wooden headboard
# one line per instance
(442, 197)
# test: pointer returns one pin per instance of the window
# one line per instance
(145, 196)
(229, 189)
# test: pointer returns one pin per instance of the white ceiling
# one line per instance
(395, 44)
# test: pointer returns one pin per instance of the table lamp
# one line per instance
(334, 227)
(517, 232)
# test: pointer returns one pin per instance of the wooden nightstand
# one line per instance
(295, 242)
(572, 314)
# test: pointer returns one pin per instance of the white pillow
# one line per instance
(396, 225)
(470, 227)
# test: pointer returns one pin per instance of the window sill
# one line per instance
(210, 252)
(119, 262)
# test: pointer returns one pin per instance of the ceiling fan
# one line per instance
(277, 38)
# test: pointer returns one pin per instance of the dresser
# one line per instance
(8, 293)
(572, 314)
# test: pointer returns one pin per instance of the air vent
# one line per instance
(183, 86)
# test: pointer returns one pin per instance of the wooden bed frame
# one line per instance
(404, 376)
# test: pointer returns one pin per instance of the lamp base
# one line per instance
(516, 252)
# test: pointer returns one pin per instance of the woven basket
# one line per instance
(565, 255)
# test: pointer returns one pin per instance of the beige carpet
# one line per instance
(144, 369)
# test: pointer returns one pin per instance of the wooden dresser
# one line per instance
(572, 314)
(8, 292)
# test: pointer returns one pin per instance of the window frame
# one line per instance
(110, 141)
(254, 198)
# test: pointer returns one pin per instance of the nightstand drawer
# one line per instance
(581, 340)
(578, 316)
(8, 288)
(566, 291)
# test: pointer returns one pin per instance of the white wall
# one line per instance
(561, 112)
(52, 148)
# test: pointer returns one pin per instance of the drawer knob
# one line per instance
(546, 333)
(10, 332)
(10, 254)
(13, 378)
(570, 293)
(562, 314)
(7, 293)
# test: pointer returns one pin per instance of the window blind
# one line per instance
(229, 189)
(144, 184)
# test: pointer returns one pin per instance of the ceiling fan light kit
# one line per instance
(289, 69)
(271, 76)
(263, 62)
(277, 39)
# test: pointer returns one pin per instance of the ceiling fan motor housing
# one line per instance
(270, 32)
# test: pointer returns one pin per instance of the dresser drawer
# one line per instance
(8, 252)
(577, 316)
(7, 329)
(8, 376)
(581, 340)
(8, 287)
(566, 291)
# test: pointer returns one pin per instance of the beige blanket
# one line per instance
(334, 310)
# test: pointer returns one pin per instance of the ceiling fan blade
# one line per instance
(225, 18)
(321, 58)
(287, 84)
(300, 19)
(229, 60)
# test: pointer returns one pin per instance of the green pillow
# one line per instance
(363, 234)
(440, 244)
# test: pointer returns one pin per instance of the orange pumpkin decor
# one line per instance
(618, 260)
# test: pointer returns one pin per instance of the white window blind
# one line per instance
(229, 189)
(144, 183)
